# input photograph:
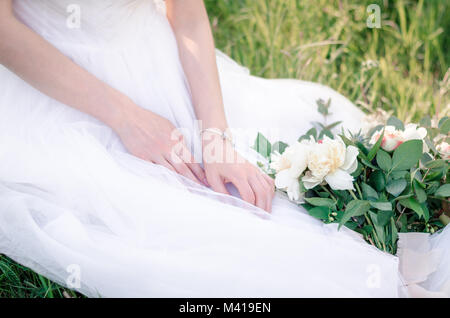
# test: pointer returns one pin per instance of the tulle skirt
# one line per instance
(76, 207)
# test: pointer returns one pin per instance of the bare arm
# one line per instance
(41, 65)
(190, 24)
(145, 134)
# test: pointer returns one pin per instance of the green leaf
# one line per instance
(331, 126)
(443, 191)
(279, 146)
(430, 144)
(384, 160)
(439, 163)
(312, 132)
(378, 180)
(394, 235)
(262, 146)
(414, 205)
(320, 212)
(397, 123)
(445, 126)
(396, 187)
(383, 206)
(432, 187)
(442, 121)
(420, 192)
(375, 147)
(368, 229)
(368, 191)
(323, 106)
(354, 208)
(399, 174)
(321, 202)
(425, 121)
(379, 229)
(426, 212)
(383, 217)
(365, 162)
(426, 158)
(407, 155)
(326, 132)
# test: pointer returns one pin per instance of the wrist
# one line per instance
(120, 109)
(214, 134)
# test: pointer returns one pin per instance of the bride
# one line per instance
(119, 175)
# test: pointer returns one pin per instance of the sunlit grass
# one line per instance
(323, 41)
(328, 41)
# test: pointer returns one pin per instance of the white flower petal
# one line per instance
(309, 181)
(283, 179)
(293, 190)
(353, 167)
(350, 163)
(340, 180)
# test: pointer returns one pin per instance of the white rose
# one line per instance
(329, 160)
(289, 166)
(444, 150)
(392, 138)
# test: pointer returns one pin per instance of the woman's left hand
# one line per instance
(222, 165)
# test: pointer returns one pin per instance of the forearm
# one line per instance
(48, 70)
(190, 23)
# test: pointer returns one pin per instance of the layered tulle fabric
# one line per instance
(77, 208)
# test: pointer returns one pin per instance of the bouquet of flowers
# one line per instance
(393, 178)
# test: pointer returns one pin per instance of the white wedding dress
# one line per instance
(77, 208)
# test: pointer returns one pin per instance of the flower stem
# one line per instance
(329, 192)
(374, 232)
(359, 190)
(353, 194)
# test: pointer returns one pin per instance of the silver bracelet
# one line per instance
(223, 134)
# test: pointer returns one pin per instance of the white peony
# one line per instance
(329, 160)
(393, 138)
(289, 166)
(444, 150)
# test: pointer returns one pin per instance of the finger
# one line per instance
(185, 154)
(163, 162)
(181, 167)
(260, 192)
(268, 182)
(217, 184)
(198, 172)
(269, 191)
(245, 190)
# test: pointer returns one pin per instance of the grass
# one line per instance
(17, 281)
(323, 41)
(328, 41)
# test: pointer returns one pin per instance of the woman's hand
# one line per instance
(153, 138)
(224, 165)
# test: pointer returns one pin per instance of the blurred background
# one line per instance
(402, 66)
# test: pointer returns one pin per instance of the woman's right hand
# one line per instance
(151, 137)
